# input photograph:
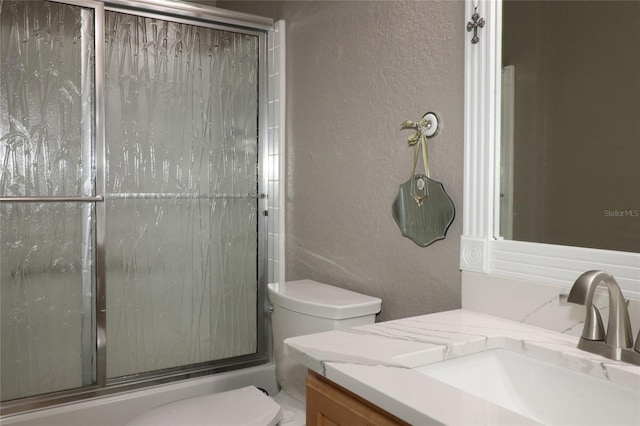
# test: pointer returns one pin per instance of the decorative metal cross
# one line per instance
(478, 22)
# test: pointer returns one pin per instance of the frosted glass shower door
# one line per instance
(48, 197)
(182, 186)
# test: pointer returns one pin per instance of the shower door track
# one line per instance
(188, 14)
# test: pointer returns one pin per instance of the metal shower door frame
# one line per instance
(92, 136)
(188, 14)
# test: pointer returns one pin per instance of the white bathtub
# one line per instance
(117, 410)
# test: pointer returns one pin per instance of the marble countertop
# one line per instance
(376, 361)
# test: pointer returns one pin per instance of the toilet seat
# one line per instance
(246, 406)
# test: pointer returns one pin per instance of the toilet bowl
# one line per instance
(299, 308)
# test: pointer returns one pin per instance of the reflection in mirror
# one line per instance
(570, 156)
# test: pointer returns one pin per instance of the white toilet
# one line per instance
(299, 307)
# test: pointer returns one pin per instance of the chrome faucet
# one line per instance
(617, 343)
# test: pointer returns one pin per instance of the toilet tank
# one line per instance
(306, 307)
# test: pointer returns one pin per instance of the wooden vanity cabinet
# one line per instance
(331, 405)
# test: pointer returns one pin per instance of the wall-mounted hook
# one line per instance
(433, 124)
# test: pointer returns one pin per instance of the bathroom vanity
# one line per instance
(329, 404)
(407, 369)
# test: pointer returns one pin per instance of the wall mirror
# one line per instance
(568, 198)
(570, 144)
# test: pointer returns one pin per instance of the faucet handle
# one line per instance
(593, 326)
(632, 355)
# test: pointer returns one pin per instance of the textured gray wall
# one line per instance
(355, 71)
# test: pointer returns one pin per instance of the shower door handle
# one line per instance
(98, 198)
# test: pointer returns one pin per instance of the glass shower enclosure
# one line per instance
(132, 225)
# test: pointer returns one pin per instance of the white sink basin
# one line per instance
(541, 391)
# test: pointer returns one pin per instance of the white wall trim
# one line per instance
(282, 66)
(276, 63)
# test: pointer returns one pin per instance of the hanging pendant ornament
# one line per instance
(422, 209)
(475, 23)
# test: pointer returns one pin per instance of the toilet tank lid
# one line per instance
(322, 300)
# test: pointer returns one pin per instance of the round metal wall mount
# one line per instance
(433, 124)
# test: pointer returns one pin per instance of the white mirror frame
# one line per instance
(480, 249)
